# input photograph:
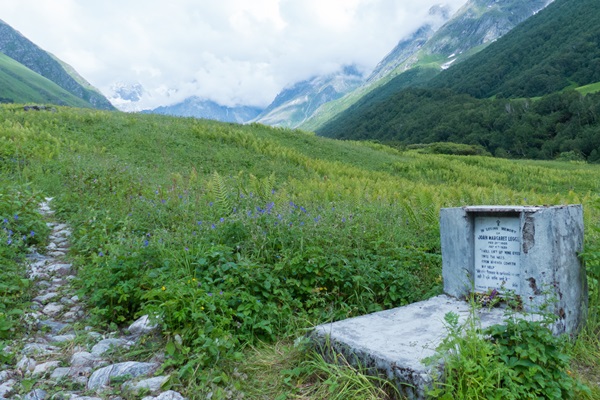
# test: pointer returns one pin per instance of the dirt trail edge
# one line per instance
(60, 357)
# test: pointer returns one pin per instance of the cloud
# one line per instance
(231, 51)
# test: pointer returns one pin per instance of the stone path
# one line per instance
(60, 357)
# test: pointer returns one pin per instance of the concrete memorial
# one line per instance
(529, 253)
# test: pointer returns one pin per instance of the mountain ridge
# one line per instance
(16, 46)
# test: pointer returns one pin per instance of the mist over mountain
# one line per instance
(19, 48)
(438, 46)
(295, 104)
(207, 109)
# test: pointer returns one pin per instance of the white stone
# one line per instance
(44, 298)
(151, 385)
(142, 326)
(53, 309)
(6, 389)
(26, 364)
(42, 369)
(39, 349)
(59, 269)
(104, 345)
(101, 377)
(4, 376)
(85, 359)
(62, 338)
(37, 394)
(168, 395)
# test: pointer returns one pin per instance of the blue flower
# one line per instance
(5, 220)
(210, 204)
(145, 243)
(9, 241)
(100, 254)
(222, 219)
(16, 217)
(32, 233)
(213, 226)
(199, 222)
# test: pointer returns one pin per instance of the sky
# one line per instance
(234, 52)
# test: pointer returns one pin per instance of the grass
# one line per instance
(587, 89)
(242, 237)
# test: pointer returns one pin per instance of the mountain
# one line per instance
(19, 84)
(438, 46)
(201, 108)
(515, 98)
(295, 104)
(23, 51)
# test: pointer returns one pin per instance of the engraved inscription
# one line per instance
(497, 254)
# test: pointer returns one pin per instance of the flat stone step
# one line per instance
(395, 342)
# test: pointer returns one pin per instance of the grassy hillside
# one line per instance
(18, 84)
(240, 237)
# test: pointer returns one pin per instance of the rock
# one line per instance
(44, 298)
(51, 246)
(42, 369)
(26, 364)
(168, 395)
(40, 349)
(142, 326)
(53, 309)
(102, 376)
(57, 253)
(76, 374)
(37, 394)
(84, 398)
(85, 359)
(60, 373)
(152, 385)
(6, 389)
(61, 338)
(59, 269)
(55, 327)
(4, 376)
(104, 345)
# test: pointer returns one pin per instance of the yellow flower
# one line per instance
(202, 308)
(163, 288)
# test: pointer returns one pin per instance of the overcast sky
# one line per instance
(230, 51)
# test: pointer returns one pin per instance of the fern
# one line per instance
(220, 192)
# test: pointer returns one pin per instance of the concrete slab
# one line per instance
(395, 342)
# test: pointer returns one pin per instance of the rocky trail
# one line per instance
(60, 357)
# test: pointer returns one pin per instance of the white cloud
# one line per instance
(231, 51)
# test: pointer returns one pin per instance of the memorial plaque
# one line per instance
(497, 253)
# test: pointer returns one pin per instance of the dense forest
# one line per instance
(514, 98)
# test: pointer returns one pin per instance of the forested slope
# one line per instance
(550, 53)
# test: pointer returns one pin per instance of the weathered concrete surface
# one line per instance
(395, 342)
(551, 272)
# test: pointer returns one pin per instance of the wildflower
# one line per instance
(5, 220)
(32, 233)
(209, 294)
(16, 217)
(221, 292)
(194, 279)
(199, 222)
(186, 249)
(9, 241)
(222, 220)
(249, 213)
(303, 209)
(213, 226)
(202, 308)
(100, 254)
(344, 219)
(163, 288)
(145, 243)
(210, 204)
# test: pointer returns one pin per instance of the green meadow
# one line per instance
(239, 238)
